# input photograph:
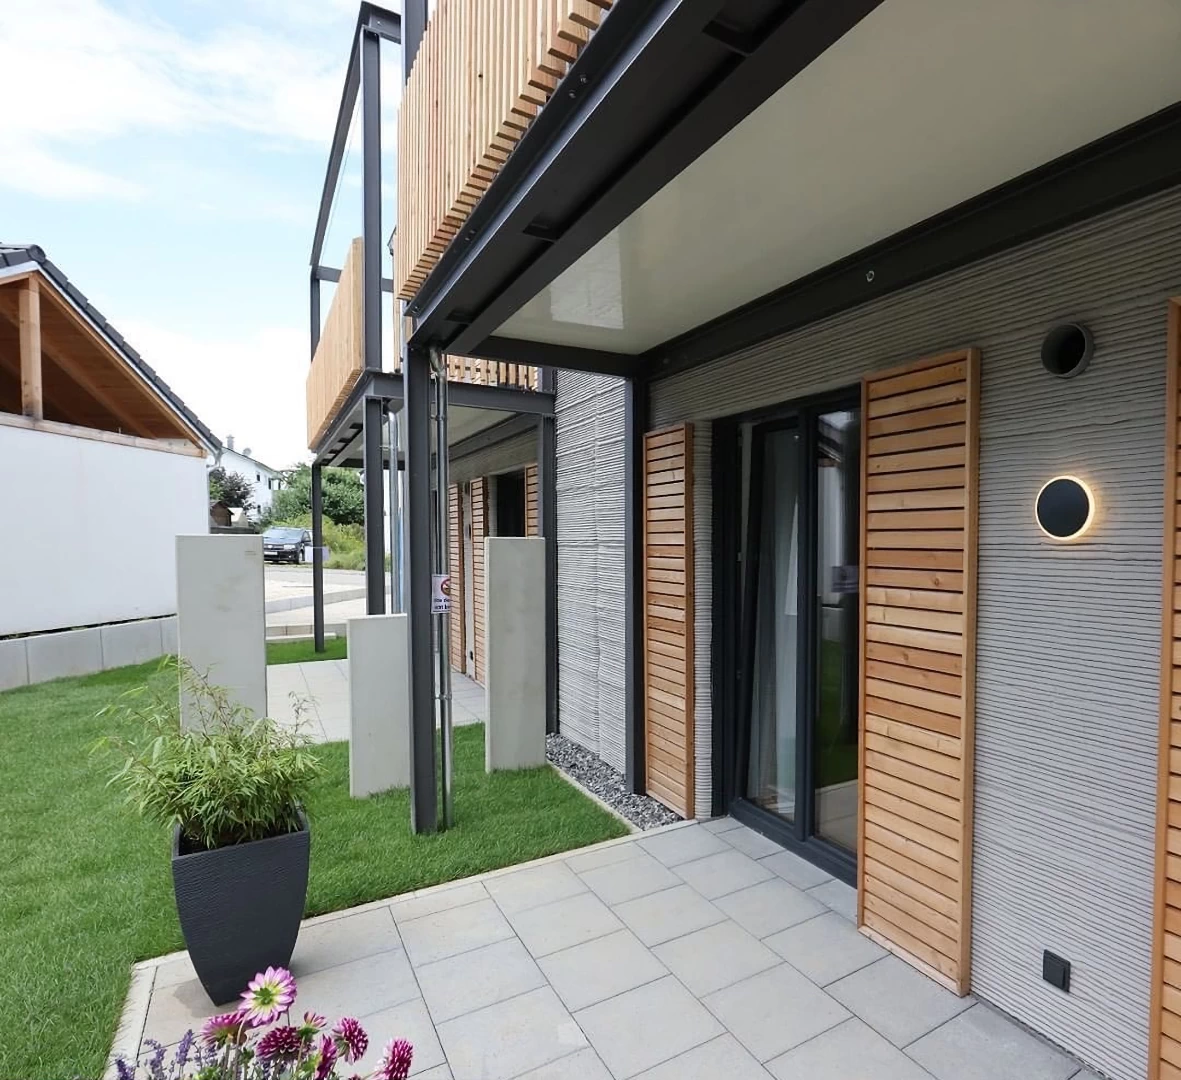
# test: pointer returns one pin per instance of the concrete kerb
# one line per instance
(331, 596)
(631, 826)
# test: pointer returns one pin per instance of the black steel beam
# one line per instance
(492, 436)
(416, 588)
(566, 357)
(317, 560)
(500, 399)
(414, 17)
(314, 312)
(659, 90)
(1129, 164)
(374, 487)
(331, 273)
(635, 416)
(547, 520)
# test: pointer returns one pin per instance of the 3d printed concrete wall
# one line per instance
(379, 704)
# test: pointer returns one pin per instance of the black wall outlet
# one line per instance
(1056, 971)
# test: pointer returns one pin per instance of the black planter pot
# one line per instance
(240, 907)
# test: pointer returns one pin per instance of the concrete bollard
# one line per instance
(379, 704)
(514, 635)
(221, 617)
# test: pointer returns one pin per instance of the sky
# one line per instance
(169, 155)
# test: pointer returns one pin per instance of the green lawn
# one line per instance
(299, 652)
(87, 889)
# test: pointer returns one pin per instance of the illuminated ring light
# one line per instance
(1064, 508)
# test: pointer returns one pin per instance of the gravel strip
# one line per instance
(600, 779)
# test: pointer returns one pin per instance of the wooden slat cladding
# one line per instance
(338, 361)
(479, 530)
(483, 71)
(918, 614)
(467, 369)
(532, 520)
(668, 618)
(455, 546)
(1164, 1051)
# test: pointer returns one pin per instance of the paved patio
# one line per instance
(324, 686)
(696, 951)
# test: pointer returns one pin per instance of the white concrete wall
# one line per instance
(87, 529)
(379, 704)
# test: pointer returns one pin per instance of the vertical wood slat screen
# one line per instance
(483, 71)
(532, 521)
(455, 547)
(479, 490)
(338, 360)
(1164, 1050)
(668, 617)
(918, 631)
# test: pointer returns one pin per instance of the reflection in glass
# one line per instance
(771, 780)
(834, 758)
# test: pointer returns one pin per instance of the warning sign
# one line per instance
(440, 594)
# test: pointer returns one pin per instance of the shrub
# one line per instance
(230, 779)
(346, 543)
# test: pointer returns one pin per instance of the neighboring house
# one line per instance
(264, 480)
(831, 299)
(103, 466)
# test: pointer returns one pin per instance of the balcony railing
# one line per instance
(483, 71)
(338, 362)
(466, 369)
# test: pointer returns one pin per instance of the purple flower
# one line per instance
(280, 1044)
(315, 1022)
(395, 1060)
(350, 1038)
(183, 1048)
(223, 1029)
(124, 1071)
(327, 1061)
(269, 995)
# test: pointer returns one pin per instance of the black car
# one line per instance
(285, 544)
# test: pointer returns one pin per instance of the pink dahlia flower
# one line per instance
(280, 1044)
(395, 1060)
(327, 1060)
(350, 1038)
(223, 1029)
(269, 995)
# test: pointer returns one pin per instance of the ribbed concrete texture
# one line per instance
(379, 704)
(221, 621)
(514, 610)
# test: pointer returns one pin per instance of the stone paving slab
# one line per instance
(608, 964)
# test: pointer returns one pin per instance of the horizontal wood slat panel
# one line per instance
(668, 618)
(918, 615)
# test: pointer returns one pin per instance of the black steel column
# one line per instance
(414, 17)
(371, 198)
(314, 309)
(416, 587)
(547, 520)
(635, 417)
(317, 560)
(374, 507)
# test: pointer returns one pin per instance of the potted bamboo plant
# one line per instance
(232, 790)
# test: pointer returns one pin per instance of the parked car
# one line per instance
(285, 544)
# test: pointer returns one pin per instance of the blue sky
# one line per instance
(168, 155)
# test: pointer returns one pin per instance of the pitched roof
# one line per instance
(21, 255)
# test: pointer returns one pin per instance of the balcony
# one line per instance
(484, 70)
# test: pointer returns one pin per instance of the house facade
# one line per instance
(264, 481)
(864, 326)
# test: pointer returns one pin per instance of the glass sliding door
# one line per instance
(797, 711)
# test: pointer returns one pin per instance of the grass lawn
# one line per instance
(87, 887)
(299, 652)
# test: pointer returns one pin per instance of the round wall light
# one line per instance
(1065, 508)
(1067, 349)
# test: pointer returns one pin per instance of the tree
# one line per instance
(344, 497)
(231, 488)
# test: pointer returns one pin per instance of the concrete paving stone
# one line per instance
(622, 881)
(415, 907)
(838, 896)
(849, 1051)
(564, 923)
(460, 929)
(751, 843)
(581, 1065)
(666, 915)
(340, 941)
(604, 856)
(363, 986)
(131, 643)
(178, 1008)
(510, 1037)
(714, 957)
(534, 886)
(14, 664)
(636, 1030)
(723, 1057)
(72, 652)
(721, 824)
(178, 969)
(774, 1011)
(461, 984)
(728, 871)
(826, 948)
(769, 907)
(794, 870)
(600, 969)
(682, 845)
(897, 1001)
(410, 1021)
(439, 1072)
(982, 1044)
